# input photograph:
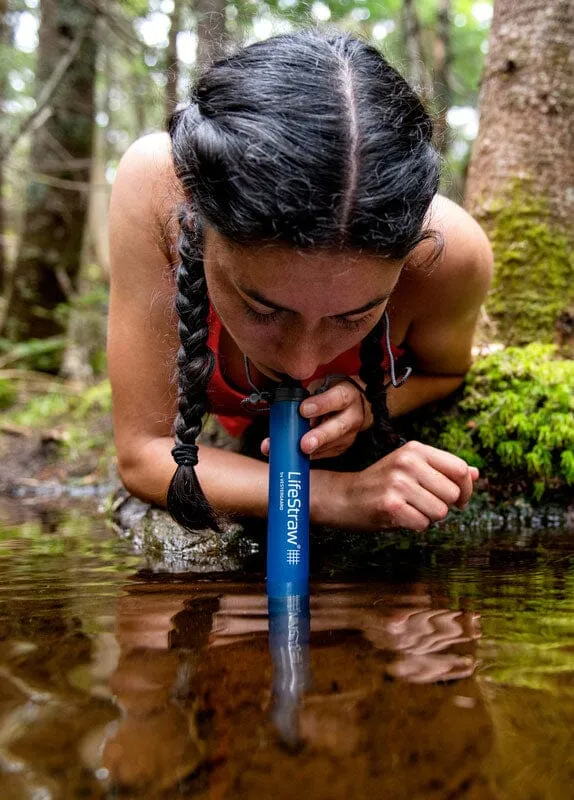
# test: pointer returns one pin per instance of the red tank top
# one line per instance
(225, 400)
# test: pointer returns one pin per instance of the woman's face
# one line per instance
(289, 311)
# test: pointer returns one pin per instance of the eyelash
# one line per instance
(273, 316)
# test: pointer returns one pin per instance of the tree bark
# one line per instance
(48, 263)
(417, 72)
(441, 74)
(211, 31)
(172, 63)
(521, 177)
(5, 38)
(100, 190)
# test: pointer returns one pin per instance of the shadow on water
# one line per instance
(416, 670)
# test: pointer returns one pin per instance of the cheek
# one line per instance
(258, 341)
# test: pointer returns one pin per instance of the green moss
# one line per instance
(534, 265)
(514, 421)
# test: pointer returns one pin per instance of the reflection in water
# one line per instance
(422, 637)
(216, 708)
(289, 630)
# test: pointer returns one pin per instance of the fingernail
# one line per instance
(312, 444)
(309, 409)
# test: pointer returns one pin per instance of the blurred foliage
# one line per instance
(8, 393)
(514, 420)
(80, 420)
(34, 354)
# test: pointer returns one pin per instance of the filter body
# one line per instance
(288, 517)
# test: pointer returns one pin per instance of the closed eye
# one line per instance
(262, 319)
(351, 324)
(268, 317)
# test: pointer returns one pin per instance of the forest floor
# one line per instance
(58, 440)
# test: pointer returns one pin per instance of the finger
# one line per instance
(265, 446)
(466, 489)
(335, 429)
(427, 503)
(455, 468)
(438, 484)
(336, 398)
(447, 463)
(407, 516)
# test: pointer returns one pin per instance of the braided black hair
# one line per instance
(185, 498)
(309, 140)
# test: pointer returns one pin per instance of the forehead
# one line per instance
(328, 282)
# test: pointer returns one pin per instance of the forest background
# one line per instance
(81, 79)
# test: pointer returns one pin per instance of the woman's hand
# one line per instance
(410, 488)
(337, 416)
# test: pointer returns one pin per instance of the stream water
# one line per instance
(434, 672)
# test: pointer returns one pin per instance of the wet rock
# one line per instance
(167, 546)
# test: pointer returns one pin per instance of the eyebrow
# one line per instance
(259, 298)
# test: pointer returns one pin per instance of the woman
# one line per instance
(296, 195)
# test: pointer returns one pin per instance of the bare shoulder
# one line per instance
(147, 162)
(146, 192)
(462, 273)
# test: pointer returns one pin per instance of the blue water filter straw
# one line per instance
(288, 516)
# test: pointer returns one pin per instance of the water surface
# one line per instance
(429, 671)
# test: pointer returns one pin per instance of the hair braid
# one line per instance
(384, 438)
(185, 499)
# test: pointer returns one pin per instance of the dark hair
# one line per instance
(307, 139)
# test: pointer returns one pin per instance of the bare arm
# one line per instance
(446, 303)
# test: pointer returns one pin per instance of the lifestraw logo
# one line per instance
(293, 510)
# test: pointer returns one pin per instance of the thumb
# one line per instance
(265, 446)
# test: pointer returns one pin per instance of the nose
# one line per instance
(300, 356)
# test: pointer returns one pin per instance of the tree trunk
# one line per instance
(48, 263)
(5, 38)
(172, 63)
(211, 32)
(417, 72)
(99, 199)
(521, 178)
(441, 74)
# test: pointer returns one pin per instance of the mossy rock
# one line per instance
(514, 419)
